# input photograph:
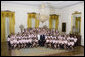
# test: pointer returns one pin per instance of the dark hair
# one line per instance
(9, 36)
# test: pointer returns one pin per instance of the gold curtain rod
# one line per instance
(7, 11)
(31, 13)
(54, 15)
(76, 12)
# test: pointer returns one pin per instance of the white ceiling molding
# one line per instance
(52, 4)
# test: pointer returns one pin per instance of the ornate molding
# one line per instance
(76, 12)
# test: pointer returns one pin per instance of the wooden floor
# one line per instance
(78, 51)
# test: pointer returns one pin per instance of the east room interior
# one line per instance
(42, 28)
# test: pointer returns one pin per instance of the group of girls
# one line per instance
(61, 42)
(22, 41)
(31, 38)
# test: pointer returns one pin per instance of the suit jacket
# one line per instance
(41, 37)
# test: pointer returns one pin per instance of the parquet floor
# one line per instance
(78, 51)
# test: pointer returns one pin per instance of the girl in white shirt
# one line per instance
(36, 41)
(75, 41)
(54, 42)
(21, 36)
(50, 42)
(18, 43)
(59, 37)
(58, 43)
(30, 42)
(15, 43)
(33, 43)
(63, 38)
(71, 38)
(72, 45)
(12, 36)
(11, 42)
(47, 42)
(52, 45)
(24, 43)
(62, 43)
(17, 36)
(65, 44)
(68, 45)
(68, 38)
(24, 36)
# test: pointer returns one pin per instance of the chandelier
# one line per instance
(43, 14)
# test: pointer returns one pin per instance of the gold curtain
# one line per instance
(36, 22)
(11, 16)
(76, 22)
(50, 22)
(12, 22)
(29, 22)
(57, 22)
(71, 24)
(2, 26)
(56, 17)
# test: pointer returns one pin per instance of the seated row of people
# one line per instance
(31, 40)
(22, 42)
(52, 38)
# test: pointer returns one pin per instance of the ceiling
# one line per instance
(54, 4)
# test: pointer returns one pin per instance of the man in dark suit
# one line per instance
(42, 40)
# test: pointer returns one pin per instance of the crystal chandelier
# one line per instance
(43, 13)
